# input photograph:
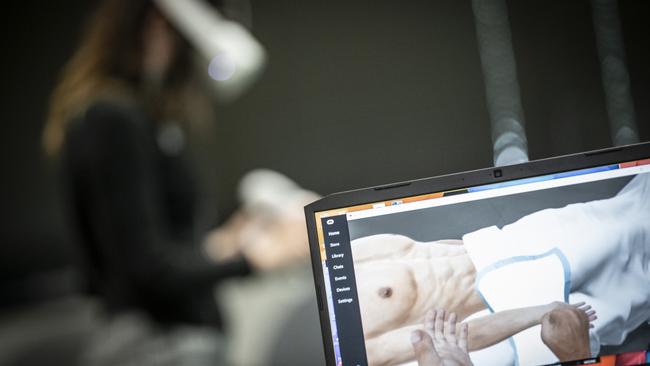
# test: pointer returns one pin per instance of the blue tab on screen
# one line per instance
(542, 178)
(586, 171)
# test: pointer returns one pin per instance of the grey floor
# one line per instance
(273, 318)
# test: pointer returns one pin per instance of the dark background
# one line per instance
(356, 93)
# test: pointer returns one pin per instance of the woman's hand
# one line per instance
(223, 243)
(277, 244)
(267, 242)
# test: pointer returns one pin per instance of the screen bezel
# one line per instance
(445, 183)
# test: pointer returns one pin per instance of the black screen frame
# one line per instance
(442, 183)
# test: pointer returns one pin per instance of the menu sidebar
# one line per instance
(344, 290)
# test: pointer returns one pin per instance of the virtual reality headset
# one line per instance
(235, 57)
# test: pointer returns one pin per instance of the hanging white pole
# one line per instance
(501, 85)
(616, 80)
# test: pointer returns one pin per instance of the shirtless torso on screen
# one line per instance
(399, 279)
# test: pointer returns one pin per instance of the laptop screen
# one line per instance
(503, 257)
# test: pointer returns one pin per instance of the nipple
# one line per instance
(385, 292)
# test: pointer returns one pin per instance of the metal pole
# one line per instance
(501, 85)
(616, 80)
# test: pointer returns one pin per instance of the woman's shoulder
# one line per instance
(110, 115)
(108, 124)
(113, 112)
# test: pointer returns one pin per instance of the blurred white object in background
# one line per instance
(236, 57)
(268, 193)
(275, 233)
(269, 228)
(272, 233)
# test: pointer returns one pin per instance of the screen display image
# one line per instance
(541, 270)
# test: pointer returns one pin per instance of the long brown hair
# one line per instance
(108, 61)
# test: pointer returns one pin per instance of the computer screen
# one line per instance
(503, 257)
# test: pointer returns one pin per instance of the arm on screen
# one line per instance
(491, 329)
(494, 328)
(394, 347)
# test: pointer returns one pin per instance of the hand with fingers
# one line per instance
(565, 330)
(589, 312)
(581, 308)
(439, 344)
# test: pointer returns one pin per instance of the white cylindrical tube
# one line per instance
(235, 56)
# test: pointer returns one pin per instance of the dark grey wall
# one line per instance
(365, 92)
(356, 93)
(37, 37)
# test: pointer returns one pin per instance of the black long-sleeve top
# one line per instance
(134, 208)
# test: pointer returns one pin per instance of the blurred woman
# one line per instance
(118, 124)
